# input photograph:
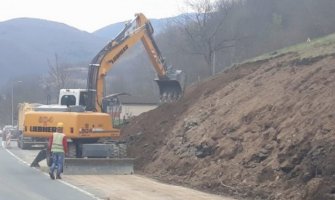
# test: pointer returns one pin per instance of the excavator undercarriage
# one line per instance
(104, 157)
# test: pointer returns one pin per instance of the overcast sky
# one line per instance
(88, 15)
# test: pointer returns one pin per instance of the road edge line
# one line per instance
(46, 174)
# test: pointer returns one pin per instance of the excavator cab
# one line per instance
(112, 105)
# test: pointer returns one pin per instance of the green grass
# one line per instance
(314, 48)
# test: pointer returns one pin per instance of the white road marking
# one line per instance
(15, 156)
(79, 189)
(46, 174)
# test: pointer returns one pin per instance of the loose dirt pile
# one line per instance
(260, 130)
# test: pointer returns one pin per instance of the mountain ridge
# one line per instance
(30, 45)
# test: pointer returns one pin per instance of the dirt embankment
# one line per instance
(261, 130)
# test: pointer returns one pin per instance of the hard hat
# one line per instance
(60, 125)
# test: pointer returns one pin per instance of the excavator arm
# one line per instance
(169, 80)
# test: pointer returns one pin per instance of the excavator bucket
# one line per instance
(171, 88)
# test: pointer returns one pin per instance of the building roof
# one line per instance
(129, 99)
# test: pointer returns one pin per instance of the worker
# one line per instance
(4, 136)
(58, 148)
(8, 139)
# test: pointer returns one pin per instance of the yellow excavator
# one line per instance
(93, 141)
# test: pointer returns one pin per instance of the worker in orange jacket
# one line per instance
(58, 147)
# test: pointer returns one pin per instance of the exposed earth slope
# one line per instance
(264, 129)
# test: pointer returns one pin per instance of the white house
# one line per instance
(135, 105)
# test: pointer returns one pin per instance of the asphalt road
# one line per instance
(20, 182)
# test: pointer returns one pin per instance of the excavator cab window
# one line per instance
(68, 100)
(113, 107)
(83, 98)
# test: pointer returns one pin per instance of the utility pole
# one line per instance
(13, 84)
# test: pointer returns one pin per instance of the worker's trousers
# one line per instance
(57, 162)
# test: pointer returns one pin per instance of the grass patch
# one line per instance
(316, 47)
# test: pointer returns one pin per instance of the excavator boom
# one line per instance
(170, 81)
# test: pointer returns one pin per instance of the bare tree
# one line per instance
(58, 75)
(204, 27)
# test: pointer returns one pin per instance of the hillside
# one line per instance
(112, 30)
(27, 44)
(263, 129)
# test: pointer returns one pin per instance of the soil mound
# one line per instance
(260, 130)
